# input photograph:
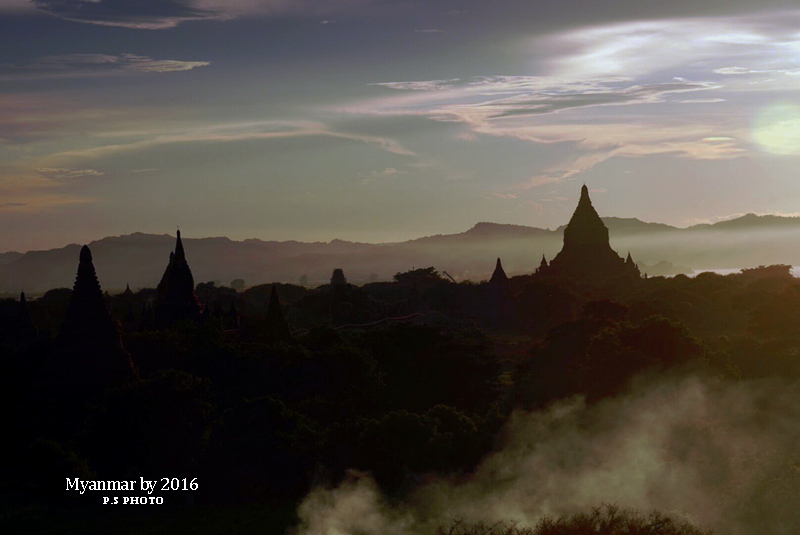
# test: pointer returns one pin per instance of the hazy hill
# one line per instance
(5, 258)
(140, 259)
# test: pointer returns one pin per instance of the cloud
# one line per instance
(429, 31)
(755, 41)
(376, 177)
(741, 71)
(138, 14)
(165, 14)
(499, 195)
(62, 173)
(45, 202)
(564, 172)
(613, 89)
(484, 98)
(602, 142)
(41, 188)
(542, 109)
(427, 85)
(38, 201)
(702, 101)
(228, 133)
(94, 65)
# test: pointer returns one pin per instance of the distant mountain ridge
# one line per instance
(140, 259)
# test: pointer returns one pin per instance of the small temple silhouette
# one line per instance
(26, 328)
(501, 300)
(276, 328)
(338, 278)
(587, 254)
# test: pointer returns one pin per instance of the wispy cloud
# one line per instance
(702, 100)
(41, 202)
(165, 14)
(62, 173)
(228, 133)
(542, 109)
(384, 175)
(141, 14)
(763, 41)
(40, 189)
(484, 98)
(564, 172)
(429, 30)
(612, 90)
(94, 65)
(427, 85)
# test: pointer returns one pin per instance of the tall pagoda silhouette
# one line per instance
(276, 328)
(501, 301)
(88, 350)
(587, 254)
(26, 328)
(175, 299)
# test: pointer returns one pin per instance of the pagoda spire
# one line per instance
(501, 302)
(176, 298)
(499, 275)
(276, 327)
(179, 252)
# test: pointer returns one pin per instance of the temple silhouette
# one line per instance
(501, 301)
(176, 300)
(587, 254)
(88, 349)
(276, 328)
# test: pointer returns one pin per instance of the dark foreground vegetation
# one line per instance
(402, 380)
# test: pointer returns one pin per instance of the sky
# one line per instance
(386, 120)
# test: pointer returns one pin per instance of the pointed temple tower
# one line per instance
(276, 328)
(27, 329)
(587, 254)
(176, 298)
(88, 349)
(542, 265)
(502, 305)
(629, 261)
